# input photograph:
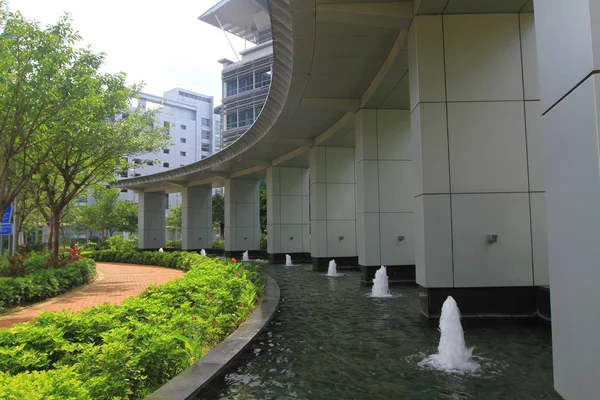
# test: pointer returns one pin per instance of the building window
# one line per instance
(136, 174)
(166, 151)
(137, 161)
(166, 201)
(246, 117)
(206, 147)
(182, 153)
(183, 127)
(246, 83)
(123, 190)
(183, 140)
(149, 162)
(257, 110)
(206, 122)
(166, 164)
(232, 121)
(206, 135)
(124, 174)
(231, 87)
(262, 78)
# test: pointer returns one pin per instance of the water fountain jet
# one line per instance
(288, 260)
(453, 354)
(203, 253)
(245, 256)
(332, 270)
(380, 284)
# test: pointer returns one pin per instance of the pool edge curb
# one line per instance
(199, 375)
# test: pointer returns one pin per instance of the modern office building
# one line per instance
(217, 128)
(190, 119)
(453, 140)
(245, 82)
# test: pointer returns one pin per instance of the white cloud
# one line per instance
(161, 43)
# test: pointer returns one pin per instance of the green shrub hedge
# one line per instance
(175, 259)
(173, 244)
(130, 350)
(44, 283)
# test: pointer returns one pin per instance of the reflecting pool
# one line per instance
(331, 340)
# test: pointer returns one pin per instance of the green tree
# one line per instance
(173, 222)
(126, 216)
(218, 212)
(263, 205)
(40, 75)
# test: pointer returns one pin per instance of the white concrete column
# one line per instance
(384, 194)
(475, 119)
(242, 216)
(196, 215)
(569, 61)
(151, 220)
(288, 219)
(332, 206)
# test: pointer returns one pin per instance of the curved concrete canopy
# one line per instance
(330, 59)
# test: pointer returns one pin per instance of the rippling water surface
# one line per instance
(329, 340)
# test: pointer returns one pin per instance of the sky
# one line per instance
(161, 43)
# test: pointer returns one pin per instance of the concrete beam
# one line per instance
(334, 129)
(247, 171)
(290, 156)
(331, 103)
(382, 14)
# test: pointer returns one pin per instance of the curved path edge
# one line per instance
(195, 378)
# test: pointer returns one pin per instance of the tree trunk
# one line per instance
(222, 230)
(55, 232)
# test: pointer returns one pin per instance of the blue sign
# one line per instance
(6, 229)
(7, 215)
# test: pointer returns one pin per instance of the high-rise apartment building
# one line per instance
(245, 82)
(190, 119)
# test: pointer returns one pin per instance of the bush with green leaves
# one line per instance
(130, 350)
(173, 244)
(218, 243)
(44, 283)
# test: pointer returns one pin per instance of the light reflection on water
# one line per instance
(330, 341)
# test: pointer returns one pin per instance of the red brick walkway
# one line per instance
(114, 283)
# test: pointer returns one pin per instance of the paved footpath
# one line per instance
(114, 282)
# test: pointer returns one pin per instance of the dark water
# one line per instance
(330, 341)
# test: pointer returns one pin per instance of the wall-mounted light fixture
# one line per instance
(341, 238)
(400, 238)
(291, 238)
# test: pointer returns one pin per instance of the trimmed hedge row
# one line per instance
(130, 350)
(171, 259)
(46, 283)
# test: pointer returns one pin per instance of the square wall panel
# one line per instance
(483, 57)
(318, 169)
(273, 209)
(430, 148)
(246, 238)
(426, 60)
(305, 181)
(291, 209)
(273, 180)
(337, 247)
(340, 165)
(536, 149)
(433, 241)
(245, 214)
(393, 135)
(273, 238)
(393, 250)
(291, 239)
(367, 239)
(487, 147)
(365, 128)
(529, 56)
(340, 201)
(318, 201)
(540, 239)
(318, 238)
(395, 186)
(478, 263)
(291, 181)
(367, 187)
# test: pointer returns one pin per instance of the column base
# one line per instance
(279, 258)
(322, 263)
(396, 273)
(252, 254)
(482, 302)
